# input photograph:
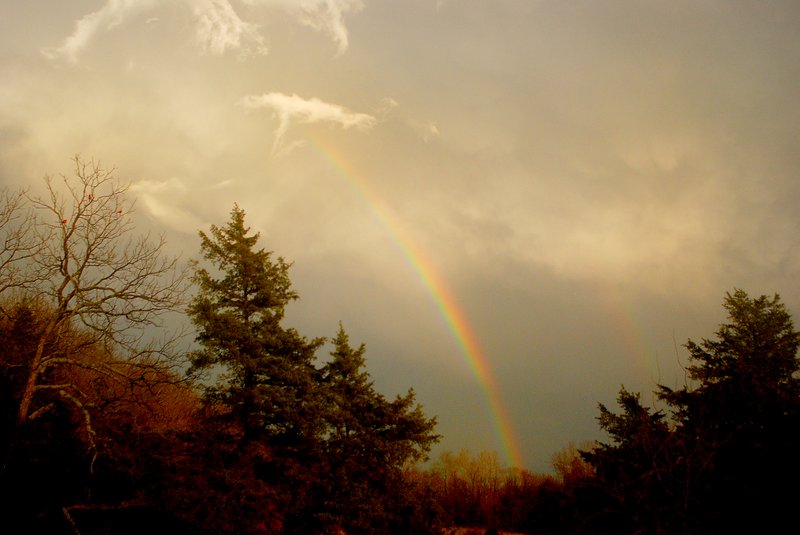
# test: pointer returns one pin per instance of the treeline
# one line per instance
(109, 425)
(480, 493)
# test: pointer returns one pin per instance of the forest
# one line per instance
(112, 423)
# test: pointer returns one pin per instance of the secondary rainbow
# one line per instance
(445, 301)
(623, 313)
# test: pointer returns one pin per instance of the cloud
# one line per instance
(106, 18)
(386, 107)
(220, 29)
(292, 108)
(159, 198)
(430, 131)
(328, 16)
(322, 15)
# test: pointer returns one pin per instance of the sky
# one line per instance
(517, 205)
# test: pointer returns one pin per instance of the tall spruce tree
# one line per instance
(267, 384)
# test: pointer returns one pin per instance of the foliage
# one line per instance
(724, 460)
(99, 434)
(90, 405)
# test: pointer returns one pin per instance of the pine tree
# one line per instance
(367, 443)
(364, 428)
(743, 415)
(726, 459)
(267, 384)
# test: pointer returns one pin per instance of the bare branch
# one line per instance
(18, 240)
(97, 277)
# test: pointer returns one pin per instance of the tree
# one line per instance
(82, 296)
(722, 458)
(636, 471)
(128, 417)
(367, 443)
(91, 272)
(268, 385)
(331, 449)
(263, 412)
(749, 371)
(742, 415)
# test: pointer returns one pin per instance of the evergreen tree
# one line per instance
(638, 472)
(268, 379)
(367, 443)
(743, 415)
(726, 459)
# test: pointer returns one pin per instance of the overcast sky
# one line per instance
(588, 178)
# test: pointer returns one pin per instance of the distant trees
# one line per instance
(723, 459)
(569, 464)
(479, 491)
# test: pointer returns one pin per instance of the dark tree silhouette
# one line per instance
(723, 458)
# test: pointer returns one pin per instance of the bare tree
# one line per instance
(97, 278)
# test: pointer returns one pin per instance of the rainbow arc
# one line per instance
(446, 303)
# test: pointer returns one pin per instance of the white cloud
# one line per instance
(292, 108)
(322, 15)
(220, 29)
(328, 16)
(159, 199)
(106, 18)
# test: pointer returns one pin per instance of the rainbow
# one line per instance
(441, 295)
(622, 312)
